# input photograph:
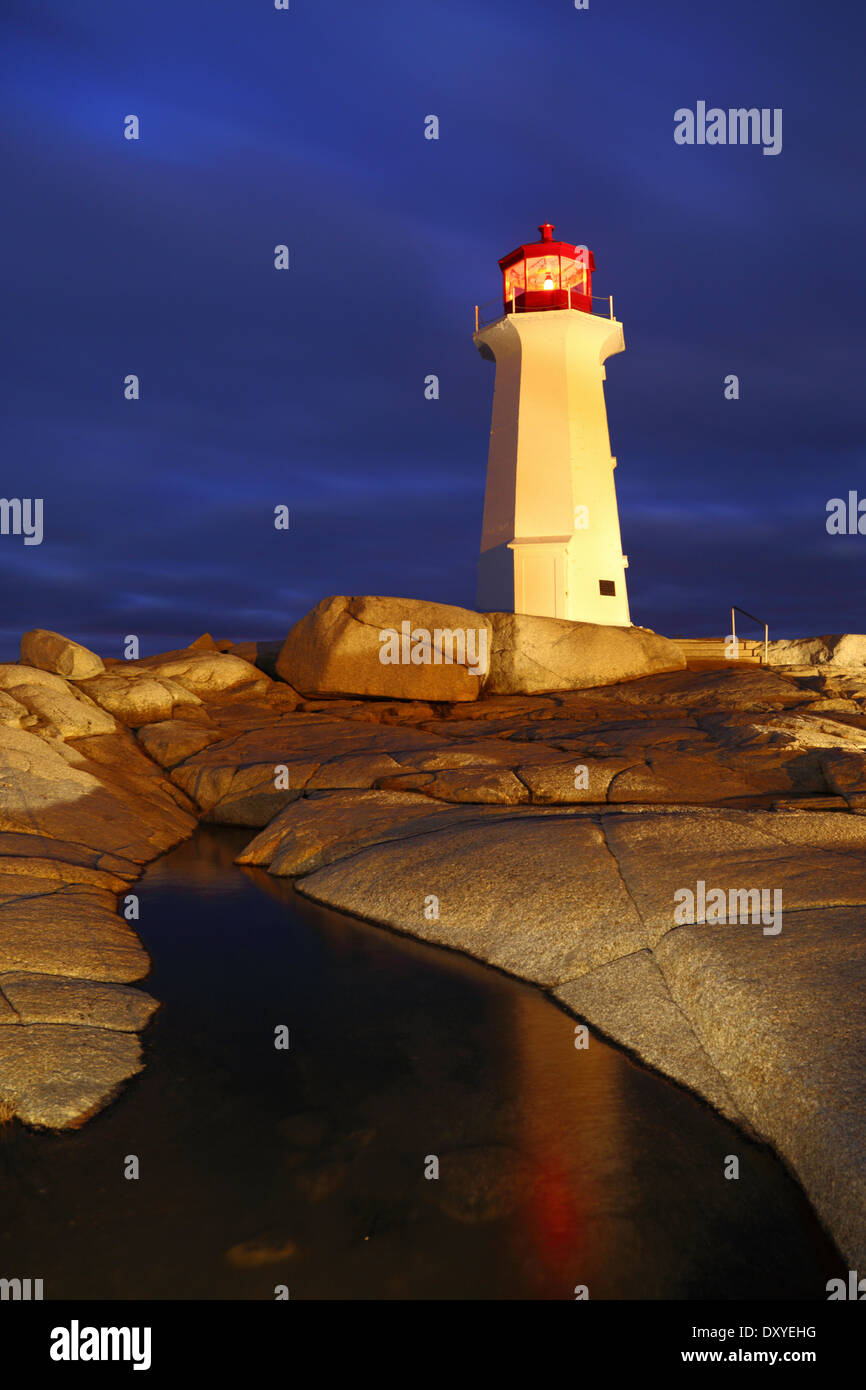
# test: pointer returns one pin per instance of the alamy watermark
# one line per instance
(77, 1343)
(701, 905)
(846, 517)
(21, 1290)
(22, 516)
(736, 126)
(855, 1288)
(421, 647)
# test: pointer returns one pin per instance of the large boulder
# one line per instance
(137, 698)
(532, 655)
(841, 649)
(46, 702)
(206, 674)
(13, 674)
(53, 652)
(400, 648)
(849, 649)
(64, 712)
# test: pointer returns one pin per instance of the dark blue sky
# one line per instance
(305, 388)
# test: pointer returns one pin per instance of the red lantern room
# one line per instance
(547, 274)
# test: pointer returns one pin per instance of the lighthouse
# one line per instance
(550, 542)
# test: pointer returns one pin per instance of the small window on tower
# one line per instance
(607, 586)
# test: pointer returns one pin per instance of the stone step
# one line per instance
(713, 650)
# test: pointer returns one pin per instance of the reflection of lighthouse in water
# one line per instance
(550, 540)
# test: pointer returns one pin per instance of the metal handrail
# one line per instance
(519, 309)
(735, 608)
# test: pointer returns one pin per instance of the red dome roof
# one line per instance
(548, 247)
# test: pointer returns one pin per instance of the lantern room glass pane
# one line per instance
(515, 279)
(538, 268)
(573, 276)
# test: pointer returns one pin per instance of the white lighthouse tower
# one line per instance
(550, 541)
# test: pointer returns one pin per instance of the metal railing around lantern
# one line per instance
(484, 316)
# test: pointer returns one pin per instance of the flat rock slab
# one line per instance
(305, 738)
(783, 1019)
(749, 688)
(326, 826)
(661, 856)
(74, 931)
(236, 781)
(846, 774)
(672, 776)
(15, 844)
(56, 1076)
(719, 737)
(576, 779)
(58, 791)
(171, 741)
(538, 896)
(770, 1028)
(630, 1001)
(843, 834)
(35, 998)
(233, 780)
(486, 786)
(45, 875)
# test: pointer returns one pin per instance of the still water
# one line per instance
(306, 1167)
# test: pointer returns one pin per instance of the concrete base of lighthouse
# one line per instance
(551, 543)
